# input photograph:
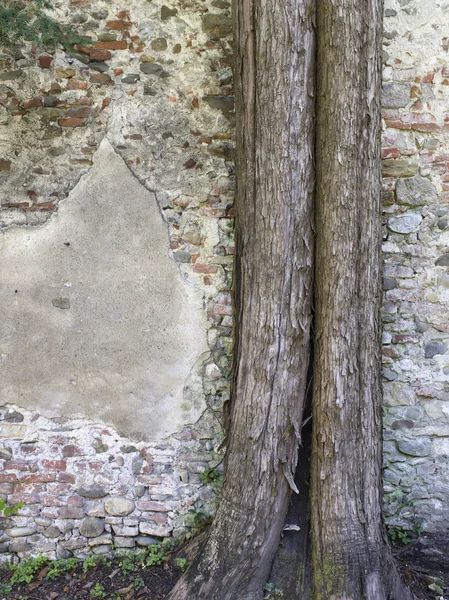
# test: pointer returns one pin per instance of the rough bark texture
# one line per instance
(274, 76)
(351, 557)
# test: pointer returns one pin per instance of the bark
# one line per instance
(274, 78)
(350, 552)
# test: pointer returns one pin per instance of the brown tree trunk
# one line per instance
(350, 552)
(274, 77)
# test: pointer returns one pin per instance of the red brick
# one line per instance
(76, 84)
(118, 25)
(101, 78)
(6, 488)
(100, 54)
(79, 113)
(201, 268)
(115, 45)
(29, 488)
(72, 450)
(157, 517)
(57, 465)
(19, 465)
(50, 500)
(8, 477)
(71, 122)
(25, 498)
(152, 506)
(45, 61)
(75, 501)
(37, 478)
(122, 14)
(66, 478)
(83, 49)
(33, 103)
(70, 512)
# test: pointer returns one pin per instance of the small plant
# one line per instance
(6, 510)
(138, 583)
(128, 565)
(210, 476)
(397, 534)
(93, 561)
(272, 592)
(155, 555)
(25, 571)
(5, 588)
(58, 567)
(182, 563)
(98, 591)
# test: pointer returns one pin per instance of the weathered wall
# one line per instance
(116, 250)
(416, 246)
(124, 151)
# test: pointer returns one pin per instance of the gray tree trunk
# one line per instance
(274, 77)
(350, 553)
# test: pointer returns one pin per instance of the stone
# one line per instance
(182, 256)
(224, 103)
(443, 281)
(20, 546)
(62, 303)
(5, 165)
(389, 374)
(395, 95)
(99, 66)
(12, 416)
(415, 447)
(21, 531)
(442, 223)
(159, 44)
(136, 464)
(124, 542)
(131, 78)
(442, 261)
(93, 491)
(102, 540)
(145, 540)
(216, 26)
(433, 348)
(153, 69)
(11, 75)
(399, 167)
(100, 15)
(415, 191)
(52, 532)
(92, 527)
(149, 91)
(405, 223)
(402, 424)
(389, 283)
(119, 506)
(168, 13)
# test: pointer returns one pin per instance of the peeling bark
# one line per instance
(274, 76)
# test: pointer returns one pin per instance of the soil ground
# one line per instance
(132, 580)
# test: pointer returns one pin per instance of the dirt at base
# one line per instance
(106, 582)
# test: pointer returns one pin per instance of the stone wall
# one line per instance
(416, 256)
(116, 248)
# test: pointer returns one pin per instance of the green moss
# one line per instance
(31, 21)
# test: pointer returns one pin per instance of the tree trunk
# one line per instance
(350, 553)
(274, 78)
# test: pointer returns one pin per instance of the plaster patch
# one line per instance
(97, 321)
